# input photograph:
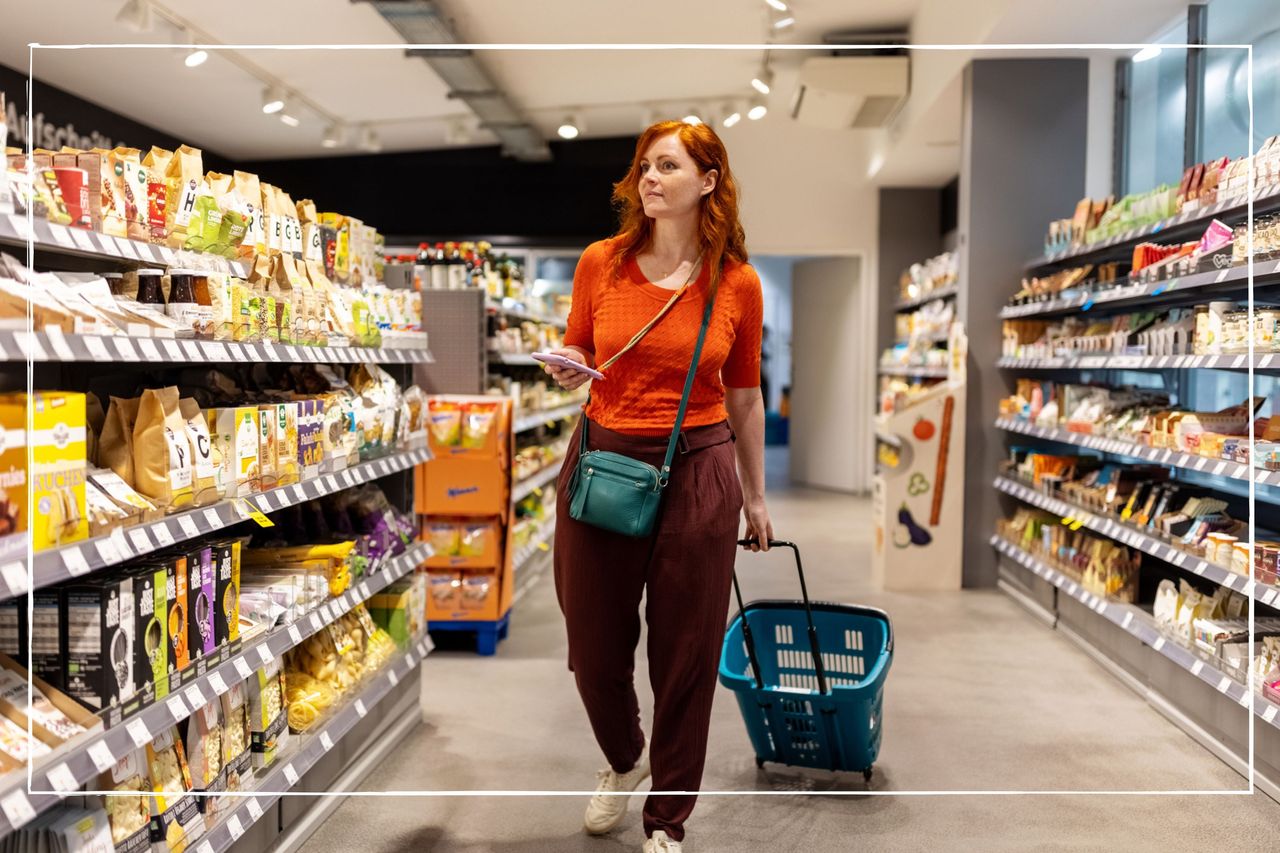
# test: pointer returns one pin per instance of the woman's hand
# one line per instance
(758, 524)
(566, 377)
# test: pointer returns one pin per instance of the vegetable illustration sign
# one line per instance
(909, 533)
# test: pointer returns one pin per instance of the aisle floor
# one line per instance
(981, 697)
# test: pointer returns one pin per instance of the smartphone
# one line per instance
(561, 361)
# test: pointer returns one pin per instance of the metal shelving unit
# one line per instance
(533, 420)
(923, 372)
(942, 293)
(1232, 361)
(523, 488)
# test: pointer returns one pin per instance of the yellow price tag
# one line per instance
(1068, 520)
(543, 546)
(256, 514)
(1076, 525)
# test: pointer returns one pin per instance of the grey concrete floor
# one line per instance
(981, 697)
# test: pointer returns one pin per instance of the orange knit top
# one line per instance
(641, 392)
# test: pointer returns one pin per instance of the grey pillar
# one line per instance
(1022, 165)
(910, 231)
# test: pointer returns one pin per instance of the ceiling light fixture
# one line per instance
(369, 140)
(732, 115)
(763, 81)
(286, 117)
(691, 117)
(333, 135)
(758, 109)
(136, 14)
(1151, 51)
(781, 20)
(196, 58)
(570, 128)
(272, 100)
(777, 4)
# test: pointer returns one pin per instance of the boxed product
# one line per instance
(47, 637)
(310, 441)
(268, 717)
(151, 644)
(13, 463)
(176, 620)
(54, 711)
(391, 610)
(175, 816)
(237, 434)
(461, 487)
(237, 755)
(268, 446)
(226, 618)
(286, 421)
(14, 636)
(204, 757)
(100, 642)
(129, 808)
(201, 595)
(58, 469)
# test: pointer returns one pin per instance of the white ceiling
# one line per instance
(218, 104)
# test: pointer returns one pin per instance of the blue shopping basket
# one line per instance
(815, 702)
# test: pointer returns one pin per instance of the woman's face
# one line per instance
(670, 184)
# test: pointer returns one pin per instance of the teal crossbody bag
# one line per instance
(614, 492)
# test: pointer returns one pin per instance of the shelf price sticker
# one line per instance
(248, 510)
(177, 708)
(83, 240)
(17, 809)
(215, 681)
(204, 847)
(361, 710)
(234, 828)
(188, 526)
(265, 655)
(100, 755)
(172, 350)
(392, 677)
(290, 775)
(162, 534)
(195, 697)
(125, 347)
(74, 562)
(295, 636)
(255, 809)
(15, 578)
(138, 733)
(62, 780)
(242, 668)
(107, 551)
(326, 741)
(149, 350)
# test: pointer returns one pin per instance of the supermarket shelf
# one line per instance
(1185, 224)
(1265, 272)
(1233, 361)
(517, 314)
(93, 753)
(1119, 447)
(243, 812)
(543, 537)
(899, 370)
(15, 230)
(75, 560)
(944, 293)
(523, 488)
(1139, 624)
(938, 338)
(533, 420)
(1137, 538)
(513, 359)
(54, 346)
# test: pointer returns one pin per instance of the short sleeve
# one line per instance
(742, 367)
(580, 329)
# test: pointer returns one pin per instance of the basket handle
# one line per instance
(808, 615)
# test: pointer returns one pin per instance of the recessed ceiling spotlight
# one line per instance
(136, 15)
(272, 100)
(1151, 51)
(777, 4)
(369, 140)
(334, 135)
(758, 109)
(196, 58)
(763, 81)
(570, 128)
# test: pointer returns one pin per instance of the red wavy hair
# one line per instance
(720, 233)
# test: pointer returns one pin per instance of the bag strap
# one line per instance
(635, 339)
(688, 389)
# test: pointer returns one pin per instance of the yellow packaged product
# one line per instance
(236, 433)
(13, 463)
(58, 469)
(162, 458)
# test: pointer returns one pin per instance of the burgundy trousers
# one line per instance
(684, 570)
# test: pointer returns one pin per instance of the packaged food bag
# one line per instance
(293, 227)
(133, 180)
(237, 756)
(129, 807)
(207, 482)
(284, 273)
(185, 174)
(312, 240)
(205, 757)
(114, 214)
(115, 447)
(235, 217)
(272, 224)
(247, 187)
(162, 463)
(156, 168)
(175, 815)
(206, 220)
(268, 717)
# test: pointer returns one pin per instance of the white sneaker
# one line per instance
(606, 812)
(661, 843)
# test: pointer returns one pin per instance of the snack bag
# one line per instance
(207, 480)
(268, 720)
(445, 422)
(219, 188)
(308, 698)
(162, 462)
(127, 164)
(175, 816)
(445, 538)
(128, 813)
(283, 274)
(237, 758)
(156, 167)
(292, 227)
(312, 241)
(235, 216)
(206, 220)
(205, 757)
(271, 222)
(477, 424)
(331, 316)
(246, 186)
(183, 179)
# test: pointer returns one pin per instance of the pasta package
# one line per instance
(268, 720)
(161, 451)
(129, 808)
(175, 815)
(237, 756)
(205, 757)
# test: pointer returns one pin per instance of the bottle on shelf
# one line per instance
(439, 278)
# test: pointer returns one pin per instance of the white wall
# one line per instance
(1102, 120)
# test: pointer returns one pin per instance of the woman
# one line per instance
(679, 224)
